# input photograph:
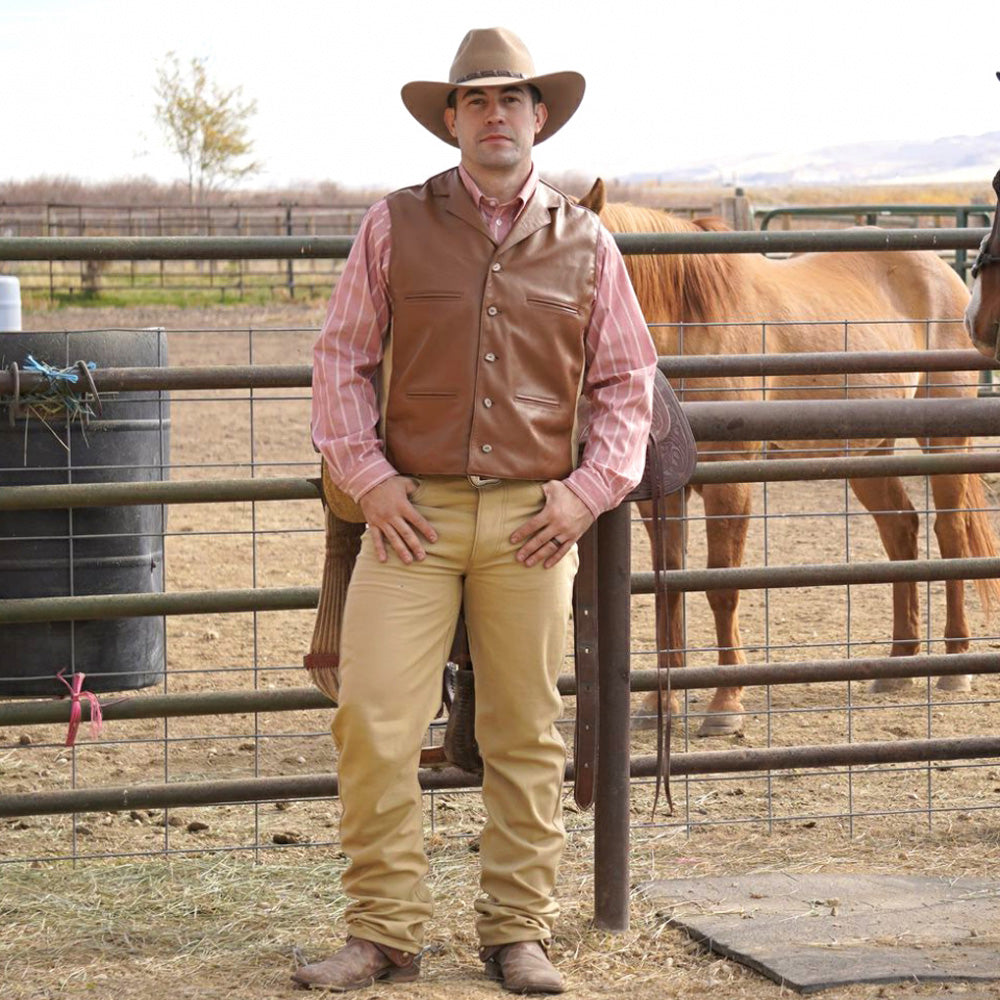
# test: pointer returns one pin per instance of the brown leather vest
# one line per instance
(485, 358)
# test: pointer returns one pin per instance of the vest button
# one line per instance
(492, 311)
(496, 266)
(487, 448)
(487, 402)
(490, 356)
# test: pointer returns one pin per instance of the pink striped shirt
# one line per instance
(620, 362)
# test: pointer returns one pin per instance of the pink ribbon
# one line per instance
(96, 719)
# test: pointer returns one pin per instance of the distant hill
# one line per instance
(954, 159)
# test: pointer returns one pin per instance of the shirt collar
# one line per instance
(519, 200)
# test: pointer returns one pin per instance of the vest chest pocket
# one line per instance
(550, 402)
(557, 305)
(432, 296)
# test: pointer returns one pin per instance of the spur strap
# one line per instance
(585, 656)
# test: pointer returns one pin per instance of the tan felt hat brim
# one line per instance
(561, 94)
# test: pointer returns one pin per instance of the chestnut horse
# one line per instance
(982, 317)
(923, 300)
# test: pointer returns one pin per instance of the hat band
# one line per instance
(483, 74)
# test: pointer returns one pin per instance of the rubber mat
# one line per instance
(816, 932)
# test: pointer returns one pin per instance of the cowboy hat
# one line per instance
(493, 57)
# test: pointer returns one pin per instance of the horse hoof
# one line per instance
(642, 722)
(881, 685)
(721, 724)
(955, 682)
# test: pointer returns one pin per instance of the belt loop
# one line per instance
(484, 482)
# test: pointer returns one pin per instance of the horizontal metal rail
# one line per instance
(839, 419)
(237, 790)
(676, 367)
(168, 706)
(960, 213)
(816, 575)
(179, 378)
(192, 602)
(834, 362)
(72, 495)
(329, 247)
(765, 470)
(782, 470)
(842, 419)
(103, 606)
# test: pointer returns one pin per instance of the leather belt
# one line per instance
(585, 656)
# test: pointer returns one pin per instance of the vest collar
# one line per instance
(535, 215)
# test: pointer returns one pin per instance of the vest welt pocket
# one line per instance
(559, 306)
(537, 400)
(432, 296)
(431, 393)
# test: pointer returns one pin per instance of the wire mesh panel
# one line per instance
(269, 545)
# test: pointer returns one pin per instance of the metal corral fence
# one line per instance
(224, 280)
(220, 280)
(901, 216)
(231, 725)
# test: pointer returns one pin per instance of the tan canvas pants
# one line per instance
(398, 626)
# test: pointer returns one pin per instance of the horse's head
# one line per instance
(982, 317)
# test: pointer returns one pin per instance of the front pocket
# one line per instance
(431, 296)
(431, 393)
(537, 400)
(566, 307)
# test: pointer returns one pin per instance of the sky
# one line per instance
(669, 84)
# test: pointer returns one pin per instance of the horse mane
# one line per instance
(674, 287)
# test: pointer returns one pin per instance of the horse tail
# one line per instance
(982, 541)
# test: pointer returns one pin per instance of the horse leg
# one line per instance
(727, 512)
(898, 524)
(951, 529)
(670, 613)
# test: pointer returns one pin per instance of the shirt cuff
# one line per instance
(377, 471)
(589, 488)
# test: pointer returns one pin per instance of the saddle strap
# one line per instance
(460, 746)
(585, 656)
(663, 693)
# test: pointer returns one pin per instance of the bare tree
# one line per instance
(205, 125)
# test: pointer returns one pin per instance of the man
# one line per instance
(473, 311)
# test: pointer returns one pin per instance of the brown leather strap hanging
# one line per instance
(585, 656)
(671, 456)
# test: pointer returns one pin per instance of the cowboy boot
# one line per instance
(521, 967)
(357, 965)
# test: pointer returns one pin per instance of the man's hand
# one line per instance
(391, 517)
(551, 533)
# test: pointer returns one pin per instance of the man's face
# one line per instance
(495, 126)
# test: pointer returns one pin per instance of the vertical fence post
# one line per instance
(291, 263)
(611, 804)
(961, 222)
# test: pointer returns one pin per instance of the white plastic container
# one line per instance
(10, 304)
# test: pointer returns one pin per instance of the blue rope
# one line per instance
(58, 397)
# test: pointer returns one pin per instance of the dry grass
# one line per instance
(199, 927)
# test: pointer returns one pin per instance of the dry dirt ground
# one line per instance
(211, 901)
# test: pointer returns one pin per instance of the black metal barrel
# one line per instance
(96, 550)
